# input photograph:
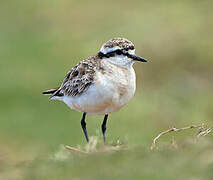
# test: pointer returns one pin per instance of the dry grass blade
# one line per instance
(201, 132)
(75, 149)
(204, 133)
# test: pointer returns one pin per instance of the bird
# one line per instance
(100, 84)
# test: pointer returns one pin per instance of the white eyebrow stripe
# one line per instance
(108, 50)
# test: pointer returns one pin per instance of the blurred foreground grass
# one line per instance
(188, 161)
(41, 40)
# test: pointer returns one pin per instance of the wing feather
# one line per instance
(80, 77)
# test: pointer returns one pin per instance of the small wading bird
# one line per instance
(100, 84)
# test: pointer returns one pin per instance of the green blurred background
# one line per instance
(40, 40)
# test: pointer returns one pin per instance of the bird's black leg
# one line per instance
(83, 125)
(103, 127)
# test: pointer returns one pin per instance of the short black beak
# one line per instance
(138, 58)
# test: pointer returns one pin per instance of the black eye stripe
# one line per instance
(113, 53)
(118, 51)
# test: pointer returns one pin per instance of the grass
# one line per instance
(125, 161)
(41, 40)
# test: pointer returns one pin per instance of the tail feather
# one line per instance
(55, 93)
(50, 91)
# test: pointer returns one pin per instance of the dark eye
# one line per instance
(119, 52)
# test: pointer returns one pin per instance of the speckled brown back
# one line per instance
(81, 76)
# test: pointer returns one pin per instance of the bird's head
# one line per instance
(120, 51)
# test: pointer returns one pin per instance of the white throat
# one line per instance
(120, 60)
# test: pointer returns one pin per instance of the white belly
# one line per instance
(109, 93)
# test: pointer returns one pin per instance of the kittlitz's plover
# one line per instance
(100, 84)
